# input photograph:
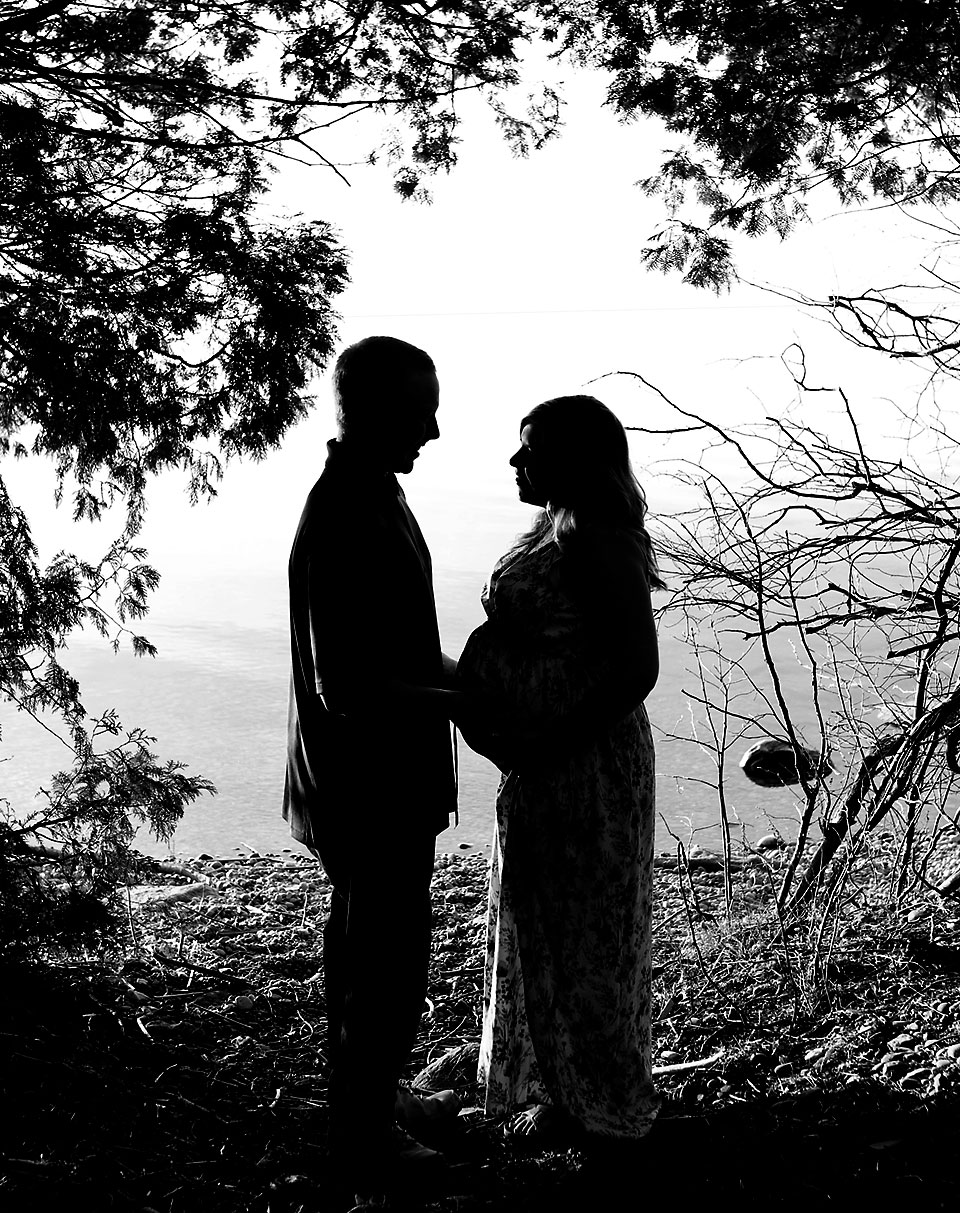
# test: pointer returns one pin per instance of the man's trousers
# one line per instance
(376, 956)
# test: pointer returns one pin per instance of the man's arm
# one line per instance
(373, 697)
(349, 669)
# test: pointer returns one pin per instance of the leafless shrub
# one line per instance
(818, 589)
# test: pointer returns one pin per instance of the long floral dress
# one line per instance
(567, 978)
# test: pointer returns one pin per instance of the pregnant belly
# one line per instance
(538, 682)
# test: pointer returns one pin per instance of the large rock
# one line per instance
(773, 763)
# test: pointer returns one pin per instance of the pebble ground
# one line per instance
(187, 1072)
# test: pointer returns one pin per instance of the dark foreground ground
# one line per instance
(187, 1073)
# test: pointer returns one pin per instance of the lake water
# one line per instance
(216, 699)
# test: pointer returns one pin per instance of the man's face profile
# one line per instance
(410, 419)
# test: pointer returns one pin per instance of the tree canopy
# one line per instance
(150, 318)
(774, 100)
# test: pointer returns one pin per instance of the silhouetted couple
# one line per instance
(551, 688)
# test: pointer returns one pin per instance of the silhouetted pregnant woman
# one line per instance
(569, 646)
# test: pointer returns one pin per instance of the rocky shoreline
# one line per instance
(188, 1071)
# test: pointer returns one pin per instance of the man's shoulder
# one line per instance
(331, 494)
(339, 512)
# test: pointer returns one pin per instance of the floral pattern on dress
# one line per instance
(567, 976)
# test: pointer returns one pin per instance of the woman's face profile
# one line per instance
(529, 464)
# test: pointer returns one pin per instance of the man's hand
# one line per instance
(449, 670)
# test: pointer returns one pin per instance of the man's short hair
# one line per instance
(366, 374)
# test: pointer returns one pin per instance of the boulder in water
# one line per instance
(769, 842)
(773, 763)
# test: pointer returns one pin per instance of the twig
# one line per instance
(206, 1111)
(176, 963)
(678, 1067)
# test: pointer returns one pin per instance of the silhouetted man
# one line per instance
(370, 772)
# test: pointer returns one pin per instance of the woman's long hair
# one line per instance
(592, 481)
